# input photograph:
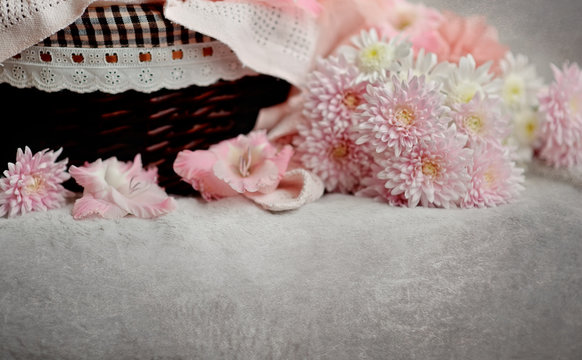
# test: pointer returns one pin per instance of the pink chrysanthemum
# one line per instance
(495, 178)
(330, 151)
(33, 183)
(434, 173)
(561, 131)
(402, 114)
(374, 187)
(481, 120)
(332, 90)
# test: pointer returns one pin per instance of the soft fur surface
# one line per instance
(342, 278)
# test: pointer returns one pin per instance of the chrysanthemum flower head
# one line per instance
(433, 173)
(375, 188)
(375, 56)
(424, 64)
(525, 136)
(561, 130)
(482, 120)
(468, 80)
(495, 178)
(521, 84)
(33, 183)
(526, 127)
(332, 90)
(329, 150)
(401, 115)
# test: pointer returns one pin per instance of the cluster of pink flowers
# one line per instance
(421, 108)
(112, 189)
(415, 122)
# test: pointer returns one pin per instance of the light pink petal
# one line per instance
(195, 167)
(87, 176)
(230, 176)
(88, 205)
(297, 188)
(281, 160)
(263, 178)
(190, 164)
(147, 204)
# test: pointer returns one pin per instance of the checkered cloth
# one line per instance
(124, 26)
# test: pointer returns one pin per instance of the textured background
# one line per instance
(342, 278)
(547, 31)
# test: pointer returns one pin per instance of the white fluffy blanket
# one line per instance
(341, 278)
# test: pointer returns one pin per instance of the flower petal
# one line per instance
(297, 188)
(195, 167)
(88, 205)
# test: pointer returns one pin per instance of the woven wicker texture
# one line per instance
(156, 125)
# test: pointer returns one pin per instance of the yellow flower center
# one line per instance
(339, 151)
(405, 20)
(35, 185)
(351, 100)
(466, 92)
(527, 125)
(430, 168)
(473, 123)
(489, 177)
(374, 57)
(575, 103)
(531, 128)
(405, 116)
(513, 89)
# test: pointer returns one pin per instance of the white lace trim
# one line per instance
(94, 73)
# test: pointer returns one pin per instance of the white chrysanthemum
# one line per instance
(424, 64)
(525, 136)
(374, 56)
(467, 80)
(526, 127)
(521, 84)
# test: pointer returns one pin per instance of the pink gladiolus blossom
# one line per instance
(245, 164)
(561, 130)
(495, 178)
(459, 36)
(113, 189)
(33, 183)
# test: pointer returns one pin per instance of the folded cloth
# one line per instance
(276, 40)
(143, 26)
(123, 47)
(24, 23)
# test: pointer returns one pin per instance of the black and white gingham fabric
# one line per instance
(124, 26)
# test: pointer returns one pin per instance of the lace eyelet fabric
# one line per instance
(123, 47)
(115, 70)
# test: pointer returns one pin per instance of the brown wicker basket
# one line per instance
(157, 125)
